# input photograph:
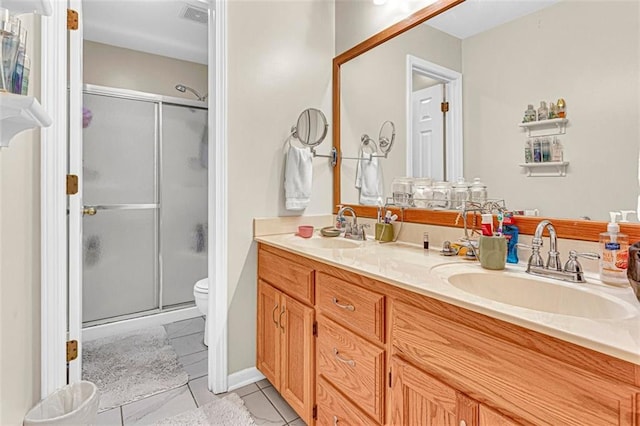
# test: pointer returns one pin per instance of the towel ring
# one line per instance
(387, 136)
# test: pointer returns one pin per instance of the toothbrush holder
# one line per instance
(493, 252)
(384, 232)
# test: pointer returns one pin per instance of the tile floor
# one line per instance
(263, 402)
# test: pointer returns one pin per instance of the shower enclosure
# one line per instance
(145, 197)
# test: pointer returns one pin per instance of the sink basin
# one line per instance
(326, 243)
(540, 295)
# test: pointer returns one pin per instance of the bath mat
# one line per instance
(227, 411)
(132, 366)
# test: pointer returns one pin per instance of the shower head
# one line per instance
(182, 88)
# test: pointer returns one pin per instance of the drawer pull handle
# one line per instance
(335, 420)
(273, 315)
(463, 423)
(280, 320)
(347, 307)
(351, 362)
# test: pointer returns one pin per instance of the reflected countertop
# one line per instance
(426, 272)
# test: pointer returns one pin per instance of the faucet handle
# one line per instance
(573, 265)
(535, 259)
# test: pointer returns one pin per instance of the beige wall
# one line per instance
(20, 261)
(280, 56)
(589, 54)
(113, 66)
(357, 20)
(373, 90)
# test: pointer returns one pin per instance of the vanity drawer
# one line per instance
(335, 409)
(294, 279)
(354, 307)
(353, 365)
(531, 387)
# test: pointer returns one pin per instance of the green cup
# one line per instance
(493, 252)
(384, 232)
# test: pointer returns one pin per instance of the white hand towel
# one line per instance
(369, 180)
(297, 178)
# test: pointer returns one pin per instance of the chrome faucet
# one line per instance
(352, 230)
(572, 270)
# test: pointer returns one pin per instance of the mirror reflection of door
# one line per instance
(434, 121)
(428, 125)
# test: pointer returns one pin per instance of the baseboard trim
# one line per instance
(99, 331)
(243, 378)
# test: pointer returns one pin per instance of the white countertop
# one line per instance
(426, 272)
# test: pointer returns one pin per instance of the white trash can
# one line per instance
(74, 404)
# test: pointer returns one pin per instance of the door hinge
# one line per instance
(72, 19)
(389, 377)
(315, 328)
(72, 184)
(315, 412)
(72, 350)
(444, 107)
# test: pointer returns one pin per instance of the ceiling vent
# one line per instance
(195, 14)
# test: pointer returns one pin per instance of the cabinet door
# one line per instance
(297, 349)
(419, 399)
(488, 417)
(268, 347)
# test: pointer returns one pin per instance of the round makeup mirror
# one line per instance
(387, 136)
(312, 127)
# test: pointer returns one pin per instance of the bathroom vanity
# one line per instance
(377, 334)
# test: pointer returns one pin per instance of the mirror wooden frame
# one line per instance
(586, 230)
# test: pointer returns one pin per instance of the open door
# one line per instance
(75, 203)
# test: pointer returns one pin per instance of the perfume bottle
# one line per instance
(537, 151)
(553, 111)
(556, 150)
(543, 111)
(529, 114)
(545, 147)
(528, 152)
(562, 108)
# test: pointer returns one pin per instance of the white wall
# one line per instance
(373, 90)
(113, 66)
(20, 260)
(589, 54)
(280, 56)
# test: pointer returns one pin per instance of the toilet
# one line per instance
(201, 294)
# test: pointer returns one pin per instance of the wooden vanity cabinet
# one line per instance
(385, 355)
(285, 340)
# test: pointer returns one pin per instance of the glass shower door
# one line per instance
(120, 181)
(183, 196)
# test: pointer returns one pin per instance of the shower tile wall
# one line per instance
(144, 166)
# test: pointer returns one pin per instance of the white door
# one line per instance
(427, 133)
(74, 322)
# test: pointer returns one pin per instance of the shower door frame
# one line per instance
(158, 101)
(57, 302)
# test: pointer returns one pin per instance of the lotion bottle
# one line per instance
(614, 254)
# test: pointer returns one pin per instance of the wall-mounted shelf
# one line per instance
(41, 7)
(560, 125)
(546, 169)
(18, 113)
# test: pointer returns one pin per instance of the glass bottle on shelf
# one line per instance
(562, 105)
(556, 150)
(543, 111)
(537, 151)
(545, 147)
(529, 114)
(528, 152)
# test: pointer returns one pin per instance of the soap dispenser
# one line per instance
(614, 254)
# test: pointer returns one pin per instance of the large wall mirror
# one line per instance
(489, 62)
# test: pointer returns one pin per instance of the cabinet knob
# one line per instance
(463, 423)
